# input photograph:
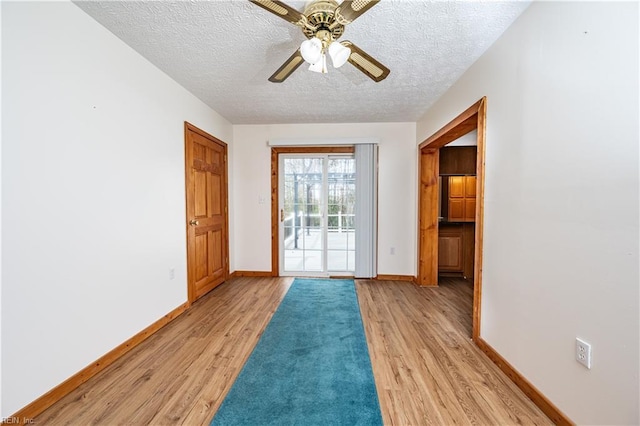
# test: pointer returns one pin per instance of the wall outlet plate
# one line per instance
(583, 352)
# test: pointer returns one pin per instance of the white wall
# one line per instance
(396, 191)
(561, 215)
(1, 411)
(470, 139)
(93, 203)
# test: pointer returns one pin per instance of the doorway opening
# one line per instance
(430, 208)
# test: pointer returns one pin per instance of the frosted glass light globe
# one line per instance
(311, 50)
(339, 54)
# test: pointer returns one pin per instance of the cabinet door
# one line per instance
(469, 209)
(462, 199)
(450, 253)
(470, 186)
(456, 187)
(456, 210)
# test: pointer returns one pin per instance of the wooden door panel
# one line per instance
(216, 197)
(470, 186)
(456, 210)
(216, 158)
(207, 229)
(462, 199)
(199, 151)
(456, 186)
(202, 257)
(200, 202)
(450, 253)
(216, 246)
(470, 209)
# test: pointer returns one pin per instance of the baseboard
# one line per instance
(409, 278)
(26, 414)
(547, 407)
(251, 274)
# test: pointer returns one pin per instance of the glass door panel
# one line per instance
(302, 213)
(341, 198)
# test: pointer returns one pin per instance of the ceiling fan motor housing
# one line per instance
(321, 16)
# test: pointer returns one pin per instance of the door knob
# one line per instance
(193, 222)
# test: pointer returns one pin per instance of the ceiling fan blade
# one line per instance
(349, 10)
(280, 9)
(289, 66)
(365, 63)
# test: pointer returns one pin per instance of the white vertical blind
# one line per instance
(366, 214)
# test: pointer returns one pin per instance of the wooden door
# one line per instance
(207, 230)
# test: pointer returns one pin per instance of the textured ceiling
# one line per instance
(224, 51)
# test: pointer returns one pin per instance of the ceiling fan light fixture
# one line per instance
(311, 50)
(339, 54)
(320, 66)
(322, 22)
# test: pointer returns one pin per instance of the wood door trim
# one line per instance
(57, 393)
(428, 160)
(188, 127)
(479, 226)
(275, 219)
(459, 126)
(472, 118)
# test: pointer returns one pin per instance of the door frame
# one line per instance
(275, 202)
(473, 118)
(191, 291)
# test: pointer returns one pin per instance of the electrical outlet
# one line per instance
(583, 352)
(393, 251)
(172, 273)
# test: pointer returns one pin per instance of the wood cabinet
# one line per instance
(456, 249)
(458, 160)
(450, 249)
(462, 199)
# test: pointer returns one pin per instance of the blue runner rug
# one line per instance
(310, 367)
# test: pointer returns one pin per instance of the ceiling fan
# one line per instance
(323, 22)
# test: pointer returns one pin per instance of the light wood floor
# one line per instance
(427, 371)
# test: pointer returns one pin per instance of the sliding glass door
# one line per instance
(317, 199)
